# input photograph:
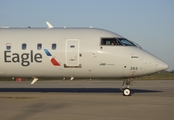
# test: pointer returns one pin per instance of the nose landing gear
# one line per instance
(125, 87)
(126, 92)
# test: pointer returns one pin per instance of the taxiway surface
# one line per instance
(84, 100)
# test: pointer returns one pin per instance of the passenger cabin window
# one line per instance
(110, 41)
(24, 46)
(54, 46)
(8, 46)
(39, 46)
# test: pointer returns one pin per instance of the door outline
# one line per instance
(72, 52)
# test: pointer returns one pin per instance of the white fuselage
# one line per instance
(71, 52)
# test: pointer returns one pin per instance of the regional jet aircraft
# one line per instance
(73, 52)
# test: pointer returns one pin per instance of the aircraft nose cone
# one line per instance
(160, 65)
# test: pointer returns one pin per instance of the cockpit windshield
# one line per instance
(126, 42)
(118, 42)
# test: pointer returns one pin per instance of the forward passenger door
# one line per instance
(72, 52)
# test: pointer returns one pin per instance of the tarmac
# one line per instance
(86, 100)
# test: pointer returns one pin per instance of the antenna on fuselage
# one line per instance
(49, 25)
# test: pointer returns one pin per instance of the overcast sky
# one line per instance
(150, 23)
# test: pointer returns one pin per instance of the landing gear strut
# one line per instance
(125, 87)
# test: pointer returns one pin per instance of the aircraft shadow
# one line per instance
(75, 90)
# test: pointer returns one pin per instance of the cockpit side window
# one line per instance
(110, 41)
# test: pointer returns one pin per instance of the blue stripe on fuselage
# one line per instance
(47, 52)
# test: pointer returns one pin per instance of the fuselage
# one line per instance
(72, 52)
